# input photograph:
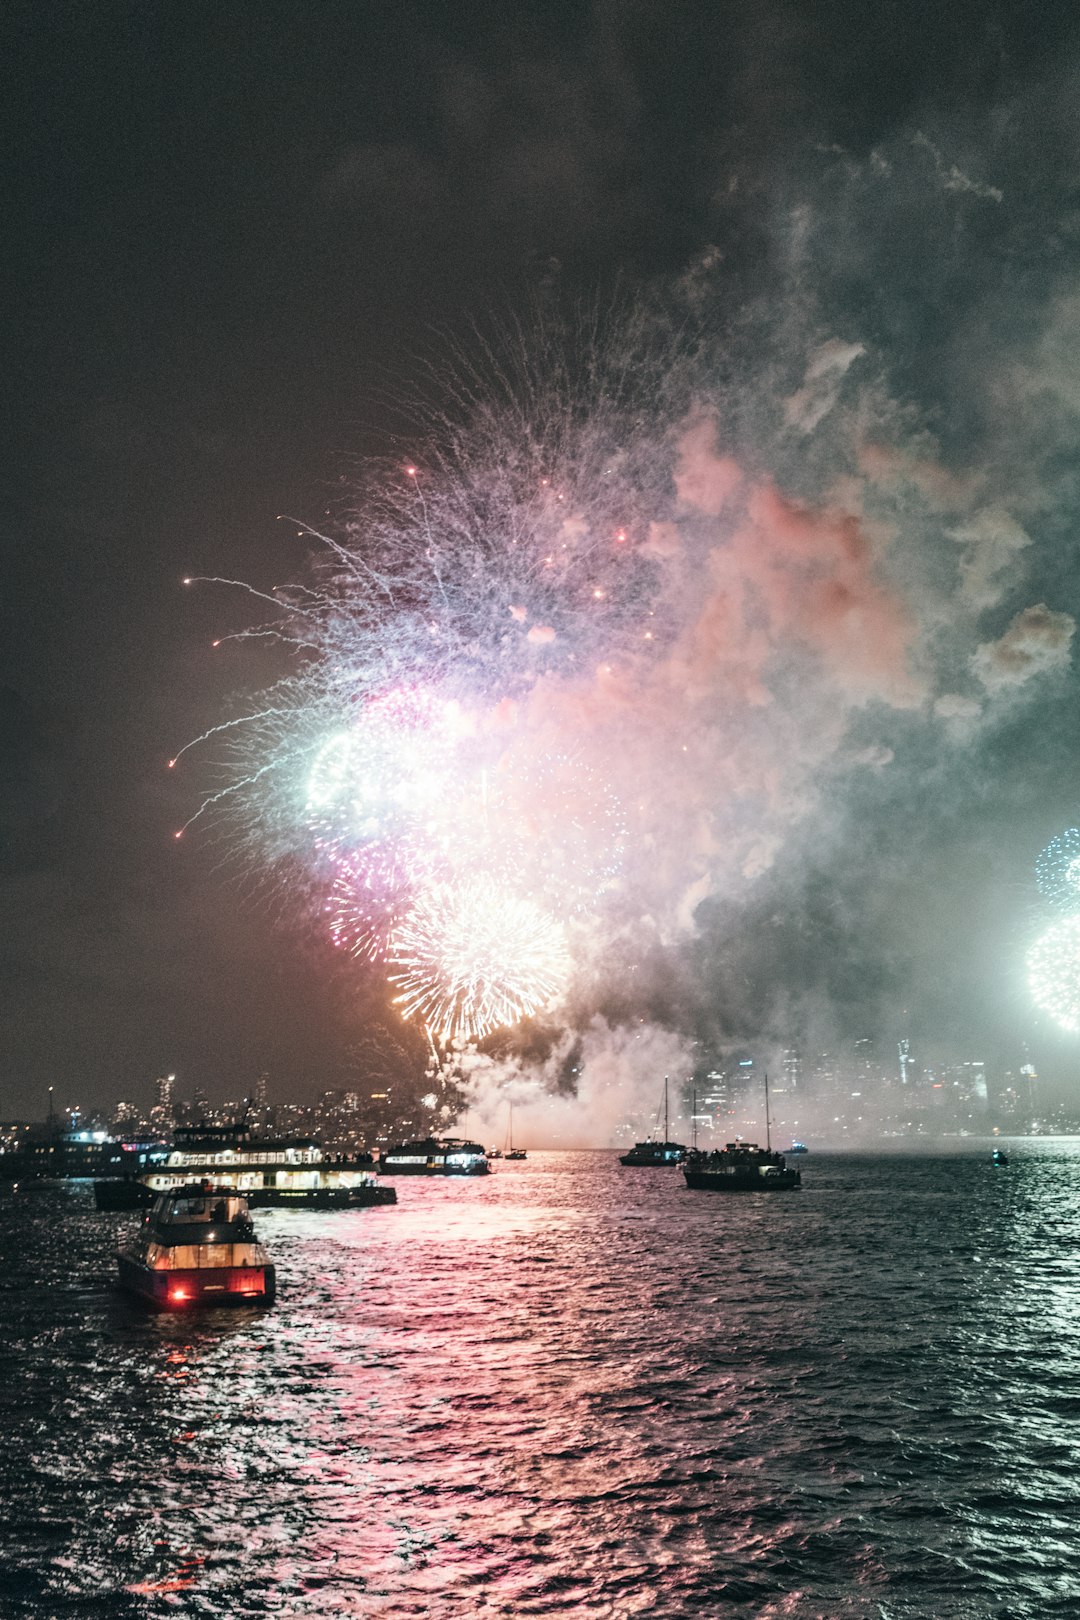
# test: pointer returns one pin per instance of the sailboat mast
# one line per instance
(693, 1106)
(665, 1111)
(768, 1128)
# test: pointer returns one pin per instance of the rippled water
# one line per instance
(571, 1389)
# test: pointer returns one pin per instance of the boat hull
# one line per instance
(366, 1197)
(424, 1168)
(122, 1194)
(738, 1181)
(205, 1285)
(639, 1163)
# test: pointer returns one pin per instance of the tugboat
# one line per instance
(196, 1246)
(742, 1166)
(650, 1152)
(434, 1156)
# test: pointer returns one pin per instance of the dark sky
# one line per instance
(226, 226)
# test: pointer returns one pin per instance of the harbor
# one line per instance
(558, 1388)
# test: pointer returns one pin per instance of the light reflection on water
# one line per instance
(570, 1389)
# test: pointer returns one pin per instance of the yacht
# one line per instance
(741, 1166)
(197, 1246)
(434, 1156)
(652, 1152)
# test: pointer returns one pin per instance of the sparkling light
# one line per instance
(470, 957)
(367, 898)
(1057, 871)
(393, 772)
(569, 829)
(1053, 964)
(382, 779)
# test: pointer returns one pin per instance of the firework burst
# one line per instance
(367, 899)
(470, 957)
(1057, 871)
(1053, 965)
(393, 764)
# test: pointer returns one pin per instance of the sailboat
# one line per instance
(510, 1151)
(652, 1152)
(742, 1166)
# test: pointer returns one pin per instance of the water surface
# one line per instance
(570, 1389)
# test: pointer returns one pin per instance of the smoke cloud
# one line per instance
(759, 577)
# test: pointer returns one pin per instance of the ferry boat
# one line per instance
(293, 1173)
(196, 1246)
(740, 1167)
(651, 1152)
(434, 1156)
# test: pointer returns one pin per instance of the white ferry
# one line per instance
(434, 1156)
(295, 1173)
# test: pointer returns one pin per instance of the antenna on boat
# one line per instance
(768, 1129)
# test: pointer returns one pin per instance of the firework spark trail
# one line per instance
(512, 554)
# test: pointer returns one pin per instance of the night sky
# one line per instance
(231, 230)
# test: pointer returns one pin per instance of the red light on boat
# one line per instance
(178, 1294)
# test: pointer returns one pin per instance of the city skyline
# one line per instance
(861, 1094)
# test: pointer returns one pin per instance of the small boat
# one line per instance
(797, 1147)
(999, 1156)
(742, 1166)
(510, 1151)
(434, 1156)
(652, 1152)
(197, 1246)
